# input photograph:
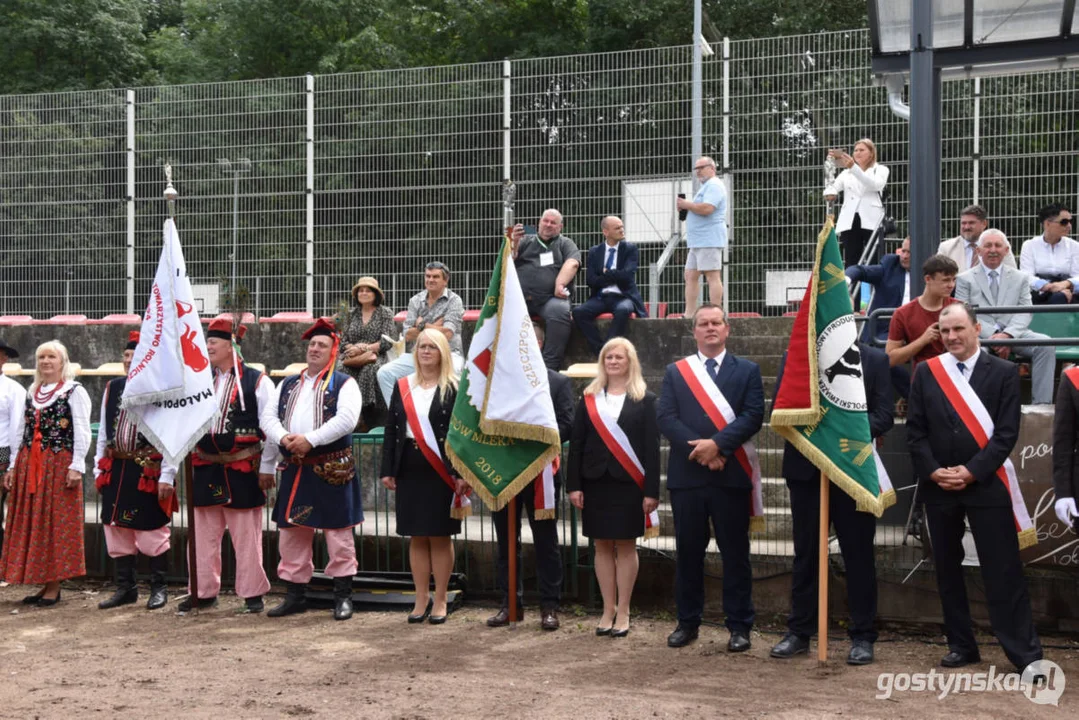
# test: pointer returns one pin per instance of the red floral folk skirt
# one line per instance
(43, 540)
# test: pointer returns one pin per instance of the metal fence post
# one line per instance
(309, 230)
(506, 113)
(130, 200)
(976, 160)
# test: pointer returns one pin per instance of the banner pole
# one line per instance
(511, 525)
(822, 574)
(192, 556)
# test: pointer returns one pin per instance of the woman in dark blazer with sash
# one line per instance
(617, 491)
(411, 467)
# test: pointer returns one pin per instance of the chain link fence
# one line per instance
(291, 188)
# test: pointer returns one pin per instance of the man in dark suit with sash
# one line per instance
(310, 421)
(962, 422)
(856, 530)
(711, 406)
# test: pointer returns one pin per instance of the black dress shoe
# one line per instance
(342, 597)
(601, 631)
(620, 633)
(739, 642)
(295, 601)
(188, 604)
(550, 621)
(416, 619)
(682, 636)
(957, 659)
(436, 619)
(790, 646)
(861, 653)
(159, 597)
(122, 596)
(33, 599)
(49, 602)
(253, 605)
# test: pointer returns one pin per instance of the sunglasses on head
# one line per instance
(436, 266)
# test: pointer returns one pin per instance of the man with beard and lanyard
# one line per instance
(137, 495)
(310, 420)
(12, 407)
(962, 423)
(233, 469)
(541, 498)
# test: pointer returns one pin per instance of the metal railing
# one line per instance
(872, 318)
(376, 173)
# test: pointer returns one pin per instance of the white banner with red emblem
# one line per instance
(170, 388)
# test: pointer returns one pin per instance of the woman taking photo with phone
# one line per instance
(861, 182)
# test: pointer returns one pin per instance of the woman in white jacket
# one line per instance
(861, 183)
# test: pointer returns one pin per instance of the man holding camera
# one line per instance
(706, 234)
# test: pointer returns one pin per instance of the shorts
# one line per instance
(704, 259)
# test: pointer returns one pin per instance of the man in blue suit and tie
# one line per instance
(891, 278)
(711, 406)
(611, 271)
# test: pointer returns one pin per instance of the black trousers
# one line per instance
(1002, 572)
(727, 509)
(856, 531)
(548, 554)
(854, 241)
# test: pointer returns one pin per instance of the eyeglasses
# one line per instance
(1063, 221)
(700, 167)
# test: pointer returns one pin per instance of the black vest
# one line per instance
(329, 409)
(241, 425)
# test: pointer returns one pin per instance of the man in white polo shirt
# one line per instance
(706, 234)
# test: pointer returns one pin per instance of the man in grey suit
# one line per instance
(990, 283)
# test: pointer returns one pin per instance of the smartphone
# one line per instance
(682, 214)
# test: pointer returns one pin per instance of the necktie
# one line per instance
(712, 367)
(962, 369)
(994, 285)
(610, 259)
(974, 259)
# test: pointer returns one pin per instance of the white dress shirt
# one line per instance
(968, 365)
(607, 249)
(1040, 258)
(349, 402)
(719, 361)
(612, 403)
(79, 401)
(12, 409)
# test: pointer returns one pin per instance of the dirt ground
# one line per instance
(75, 660)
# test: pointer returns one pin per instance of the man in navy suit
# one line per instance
(959, 479)
(856, 530)
(707, 482)
(611, 271)
(892, 282)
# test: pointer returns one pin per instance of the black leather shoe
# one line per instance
(295, 601)
(602, 631)
(188, 604)
(416, 619)
(957, 659)
(550, 620)
(252, 606)
(682, 636)
(790, 646)
(436, 619)
(127, 591)
(620, 633)
(861, 653)
(49, 602)
(739, 642)
(33, 599)
(342, 597)
(159, 589)
(502, 617)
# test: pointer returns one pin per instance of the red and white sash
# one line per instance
(720, 412)
(1072, 374)
(976, 419)
(543, 498)
(614, 437)
(461, 506)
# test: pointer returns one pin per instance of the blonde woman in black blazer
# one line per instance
(613, 505)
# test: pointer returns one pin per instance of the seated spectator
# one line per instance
(964, 247)
(914, 333)
(611, 272)
(547, 263)
(1052, 259)
(437, 308)
(891, 280)
(994, 283)
(364, 347)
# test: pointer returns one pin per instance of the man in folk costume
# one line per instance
(962, 423)
(712, 404)
(310, 420)
(540, 497)
(137, 495)
(233, 469)
(12, 407)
